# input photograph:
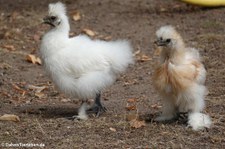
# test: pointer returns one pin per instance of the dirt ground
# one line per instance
(43, 114)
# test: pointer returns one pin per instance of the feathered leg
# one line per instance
(199, 121)
(98, 107)
(82, 115)
(195, 95)
(168, 110)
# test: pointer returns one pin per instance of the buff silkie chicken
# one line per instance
(79, 66)
(179, 79)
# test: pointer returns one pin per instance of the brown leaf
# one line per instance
(37, 88)
(38, 61)
(137, 52)
(156, 106)
(39, 94)
(33, 59)
(18, 89)
(10, 117)
(66, 100)
(130, 117)
(157, 52)
(132, 107)
(9, 47)
(162, 9)
(71, 34)
(131, 100)
(144, 58)
(76, 16)
(130, 82)
(137, 123)
(107, 38)
(89, 32)
(112, 129)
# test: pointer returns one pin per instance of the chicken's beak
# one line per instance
(160, 43)
(47, 20)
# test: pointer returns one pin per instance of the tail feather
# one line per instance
(199, 121)
(121, 55)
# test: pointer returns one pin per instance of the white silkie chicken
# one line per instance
(179, 79)
(81, 67)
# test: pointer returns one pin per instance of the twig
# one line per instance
(39, 125)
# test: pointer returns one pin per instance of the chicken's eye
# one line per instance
(53, 18)
(168, 40)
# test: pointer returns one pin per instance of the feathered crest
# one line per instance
(57, 8)
(167, 28)
(168, 31)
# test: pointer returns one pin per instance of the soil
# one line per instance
(43, 114)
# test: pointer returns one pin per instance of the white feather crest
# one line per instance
(57, 8)
(166, 31)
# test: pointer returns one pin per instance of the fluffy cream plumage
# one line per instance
(81, 67)
(179, 79)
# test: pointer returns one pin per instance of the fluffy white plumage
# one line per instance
(179, 79)
(81, 67)
(57, 9)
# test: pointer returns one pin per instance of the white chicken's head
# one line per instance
(56, 14)
(168, 37)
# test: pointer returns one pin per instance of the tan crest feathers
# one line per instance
(168, 32)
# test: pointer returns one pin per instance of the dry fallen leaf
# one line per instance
(23, 92)
(33, 59)
(10, 117)
(9, 47)
(89, 32)
(71, 34)
(137, 52)
(76, 16)
(107, 38)
(137, 123)
(162, 9)
(38, 61)
(130, 117)
(156, 106)
(39, 94)
(157, 52)
(37, 88)
(66, 100)
(131, 100)
(130, 82)
(112, 129)
(130, 108)
(144, 58)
